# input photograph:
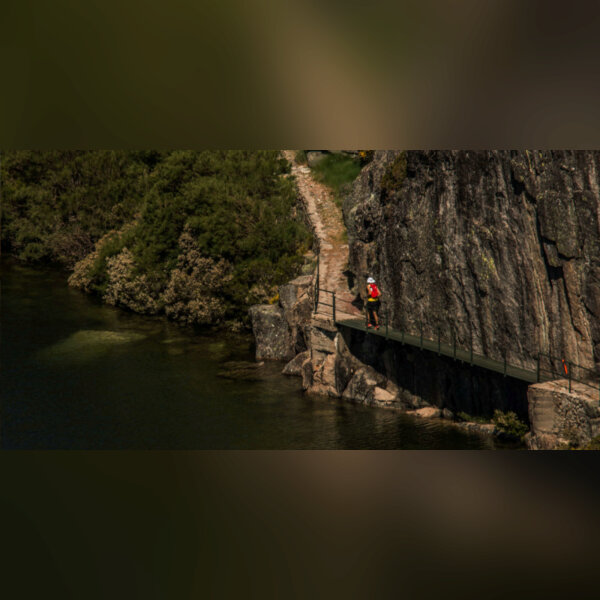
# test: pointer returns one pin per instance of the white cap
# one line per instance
(370, 280)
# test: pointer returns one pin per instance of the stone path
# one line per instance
(328, 226)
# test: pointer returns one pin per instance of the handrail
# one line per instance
(572, 371)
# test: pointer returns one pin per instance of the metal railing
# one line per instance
(551, 367)
(336, 307)
(546, 367)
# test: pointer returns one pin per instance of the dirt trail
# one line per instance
(328, 225)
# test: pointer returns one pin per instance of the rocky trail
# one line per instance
(328, 227)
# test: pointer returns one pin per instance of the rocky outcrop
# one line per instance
(502, 248)
(332, 369)
(560, 418)
(294, 367)
(280, 330)
(271, 332)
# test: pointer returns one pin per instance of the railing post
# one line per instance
(505, 364)
(569, 371)
(454, 343)
(439, 340)
(333, 307)
(471, 351)
(421, 336)
(317, 284)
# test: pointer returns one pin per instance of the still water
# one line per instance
(76, 374)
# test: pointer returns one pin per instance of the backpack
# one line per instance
(375, 293)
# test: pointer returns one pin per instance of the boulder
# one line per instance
(294, 367)
(361, 388)
(428, 412)
(291, 292)
(447, 414)
(271, 332)
(382, 397)
(322, 339)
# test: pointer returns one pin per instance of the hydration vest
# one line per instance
(375, 293)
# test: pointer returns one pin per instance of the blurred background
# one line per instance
(300, 73)
(298, 525)
(383, 74)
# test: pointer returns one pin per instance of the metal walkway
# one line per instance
(547, 368)
(444, 349)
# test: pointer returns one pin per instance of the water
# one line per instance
(76, 374)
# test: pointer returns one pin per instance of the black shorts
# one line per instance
(373, 307)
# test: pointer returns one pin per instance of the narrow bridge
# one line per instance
(547, 368)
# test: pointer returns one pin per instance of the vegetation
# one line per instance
(198, 235)
(55, 205)
(463, 416)
(593, 444)
(365, 156)
(509, 424)
(301, 157)
(337, 171)
(395, 175)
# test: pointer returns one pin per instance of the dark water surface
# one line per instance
(82, 375)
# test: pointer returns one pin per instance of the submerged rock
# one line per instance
(89, 343)
(241, 369)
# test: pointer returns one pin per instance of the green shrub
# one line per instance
(235, 204)
(301, 158)
(395, 175)
(337, 171)
(593, 444)
(463, 416)
(509, 424)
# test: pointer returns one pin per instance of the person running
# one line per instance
(373, 303)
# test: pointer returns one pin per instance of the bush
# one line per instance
(463, 416)
(118, 219)
(337, 171)
(593, 444)
(57, 204)
(509, 424)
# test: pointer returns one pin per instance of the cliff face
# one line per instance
(501, 247)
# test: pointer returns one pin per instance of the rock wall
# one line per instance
(281, 330)
(501, 247)
(560, 418)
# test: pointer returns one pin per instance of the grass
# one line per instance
(463, 416)
(301, 157)
(594, 444)
(337, 171)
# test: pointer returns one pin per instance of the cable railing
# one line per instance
(551, 367)
(542, 368)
